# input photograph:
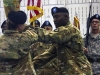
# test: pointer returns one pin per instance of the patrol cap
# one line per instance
(46, 23)
(4, 22)
(17, 17)
(96, 16)
(57, 10)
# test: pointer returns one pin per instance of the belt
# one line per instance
(92, 60)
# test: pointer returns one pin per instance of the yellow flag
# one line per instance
(76, 22)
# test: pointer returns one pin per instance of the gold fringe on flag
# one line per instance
(36, 16)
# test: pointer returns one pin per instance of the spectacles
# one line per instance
(95, 21)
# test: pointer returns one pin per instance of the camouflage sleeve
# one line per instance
(17, 46)
(45, 57)
(61, 35)
(26, 40)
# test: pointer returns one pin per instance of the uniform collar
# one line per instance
(94, 35)
(68, 24)
(10, 31)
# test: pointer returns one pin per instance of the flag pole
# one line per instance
(88, 23)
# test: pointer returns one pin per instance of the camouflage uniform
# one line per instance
(93, 53)
(15, 55)
(51, 67)
(71, 58)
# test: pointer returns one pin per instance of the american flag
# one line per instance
(35, 9)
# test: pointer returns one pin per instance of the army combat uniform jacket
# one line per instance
(51, 67)
(93, 53)
(15, 55)
(71, 58)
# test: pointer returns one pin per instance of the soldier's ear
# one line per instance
(19, 26)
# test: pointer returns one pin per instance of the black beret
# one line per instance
(17, 17)
(57, 10)
(46, 23)
(96, 16)
(37, 22)
(4, 22)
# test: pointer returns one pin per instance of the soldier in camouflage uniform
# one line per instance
(93, 48)
(15, 55)
(51, 67)
(71, 58)
(33, 25)
(47, 25)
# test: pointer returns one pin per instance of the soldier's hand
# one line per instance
(34, 46)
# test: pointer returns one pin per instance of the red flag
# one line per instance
(35, 9)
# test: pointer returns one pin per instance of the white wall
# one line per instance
(81, 7)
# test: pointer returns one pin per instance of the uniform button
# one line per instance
(62, 52)
(62, 63)
(62, 67)
(64, 72)
(59, 61)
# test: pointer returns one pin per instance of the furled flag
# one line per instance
(35, 9)
(76, 21)
(11, 5)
